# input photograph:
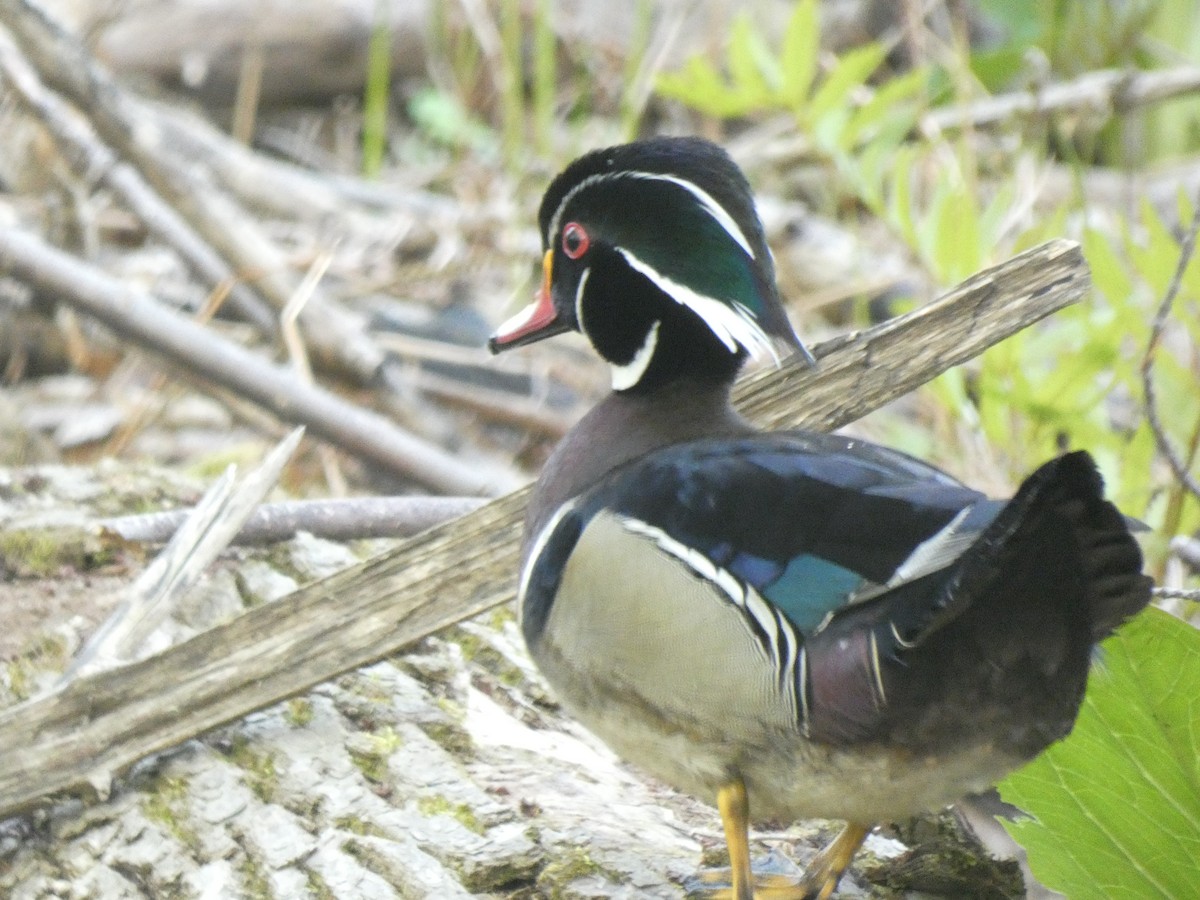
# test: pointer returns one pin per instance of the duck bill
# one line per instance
(536, 321)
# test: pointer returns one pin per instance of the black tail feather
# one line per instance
(997, 651)
(1062, 501)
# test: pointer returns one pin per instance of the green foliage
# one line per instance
(921, 190)
(835, 108)
(446, 121)
(377, 93)
(1074, 381)
(1073, 38)
(1115, 808)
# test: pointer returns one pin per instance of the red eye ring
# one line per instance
(575, 240)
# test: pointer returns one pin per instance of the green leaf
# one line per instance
(798, 55)
(751, 69)
(1108, 275)
(891, 112)
(1115, 808)
(701, 87)
(851, 71)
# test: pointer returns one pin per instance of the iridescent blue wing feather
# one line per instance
(811, 522)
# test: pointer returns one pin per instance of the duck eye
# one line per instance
(575, 240)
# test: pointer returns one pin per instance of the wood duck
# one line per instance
(798, 624)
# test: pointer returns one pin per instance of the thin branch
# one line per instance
(93, 161)
(204, 353)
(347, 519)
(1168, 593)
(207, 531)
(78, 738)
(1106, 91)
(1186, 248)
(1187, 549)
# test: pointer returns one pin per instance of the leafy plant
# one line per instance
(1072, 38)
(1115, 810)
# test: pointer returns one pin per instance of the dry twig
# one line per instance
(1105, 91)
(135, 131)
(86, 733)
(1178, 466)
(204, 353)
(94, 162)
(207, 531)
(345, 519)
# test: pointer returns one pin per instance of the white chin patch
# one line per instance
(629, 374)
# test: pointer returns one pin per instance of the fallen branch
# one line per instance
(132, 128)
(94, 162)
(86, 733)
(1102, 93)
(209, 527)
(348, 519)
(205, 354)
(1105, 91)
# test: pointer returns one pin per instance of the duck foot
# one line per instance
(770, 875)
(827, 868)
(775, 877)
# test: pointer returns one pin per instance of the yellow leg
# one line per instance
(819, 881)
(734, 807)
(826, 870)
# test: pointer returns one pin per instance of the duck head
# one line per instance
(654, 251)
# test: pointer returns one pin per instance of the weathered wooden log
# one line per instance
(90, 730)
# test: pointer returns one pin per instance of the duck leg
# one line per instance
(827, 868)
(739, 881)
(734, 808)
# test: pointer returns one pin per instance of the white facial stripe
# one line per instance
(711, 206)
(556, 219)
(583, 277)
(731, 322)
(714, 209)
(626, 376)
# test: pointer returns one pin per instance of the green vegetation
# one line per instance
(1116, 808)
(377, 94)
(299, 712)
(42, 552)
(438, 805)
(371, 754)
(258, 768)
(166, 804)
(557, 875)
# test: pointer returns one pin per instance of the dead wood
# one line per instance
(94, 162)
(208, 529)
(133, 129)
(1101, 93)
(202, 353)
(347, 519)
(93, 728)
